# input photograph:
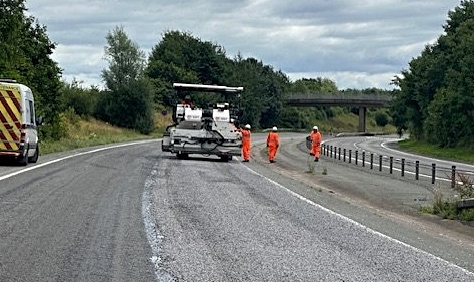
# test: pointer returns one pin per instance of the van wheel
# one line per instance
(23, 160)
(34, 159)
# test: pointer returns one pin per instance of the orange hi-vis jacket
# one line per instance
(316, 138)
(245, 144)
(273, 141)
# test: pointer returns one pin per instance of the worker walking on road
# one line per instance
(273, 142)
(246, 142)
(316, 138)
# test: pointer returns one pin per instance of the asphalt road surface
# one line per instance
(133, 213)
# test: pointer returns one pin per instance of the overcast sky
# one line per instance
(357, 44)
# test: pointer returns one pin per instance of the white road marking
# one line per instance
(298, 196)
(71, 156)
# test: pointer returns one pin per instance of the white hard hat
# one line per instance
(315, 127)
(275, 128)
(247, 126)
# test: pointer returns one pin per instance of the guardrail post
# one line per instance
(331, 152)
(433, 173)
(403, 167)
(453, 176)
(417, 170)
(380, 162)
(350, 156)
(335, 152)
(357, 157)
(391, 165)
(363, 159)
(371, 160)
(339, 153)
(344, 154)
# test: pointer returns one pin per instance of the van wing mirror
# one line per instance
(39, 120)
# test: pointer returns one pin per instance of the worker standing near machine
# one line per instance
(273, 142)
(316, 138)
(187, 101)
(246, 142)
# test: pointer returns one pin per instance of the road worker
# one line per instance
(316, 138)
(187, 101)
(246, 142)
(273, 142)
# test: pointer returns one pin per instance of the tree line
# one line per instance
(433, 102)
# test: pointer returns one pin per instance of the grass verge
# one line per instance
(81, 133)
(423, 148)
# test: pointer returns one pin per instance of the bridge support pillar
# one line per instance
(362, 114)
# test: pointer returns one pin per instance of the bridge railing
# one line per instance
(340, 96)
(337, 99)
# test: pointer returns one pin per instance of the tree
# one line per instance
(128, 101)
(180, 57)
(261, 100)
(82, 100)
(436, 95)
(381, 119)
(25, 51)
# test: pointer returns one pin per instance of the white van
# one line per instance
(18, 134)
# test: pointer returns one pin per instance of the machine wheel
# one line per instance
(182, 156)
(225, 158)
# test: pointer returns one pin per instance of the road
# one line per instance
(132, 213)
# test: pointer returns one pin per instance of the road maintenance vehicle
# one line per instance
(206, 130)
(18, 125)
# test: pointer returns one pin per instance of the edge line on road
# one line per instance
(71, 156)
(377, 233)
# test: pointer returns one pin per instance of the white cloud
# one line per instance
(358, 44)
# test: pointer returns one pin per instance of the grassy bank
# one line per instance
(423, 148)
(80, 133)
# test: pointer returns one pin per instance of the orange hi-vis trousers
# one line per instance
(273, 141)
(246, 144)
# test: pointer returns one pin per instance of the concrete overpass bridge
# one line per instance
(341, 99)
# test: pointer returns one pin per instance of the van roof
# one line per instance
(5, 83)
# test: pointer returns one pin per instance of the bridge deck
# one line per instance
(337, 99)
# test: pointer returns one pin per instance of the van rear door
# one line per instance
(10, 117)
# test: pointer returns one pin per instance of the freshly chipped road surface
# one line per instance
(220, 221)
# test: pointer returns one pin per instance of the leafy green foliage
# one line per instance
(381, 119)
(129, 100)
(436, 97)
(264, 89)
(25, 57)
(83, 101)
(180, 57)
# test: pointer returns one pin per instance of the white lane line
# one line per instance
(357, 224)
(72, 156)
